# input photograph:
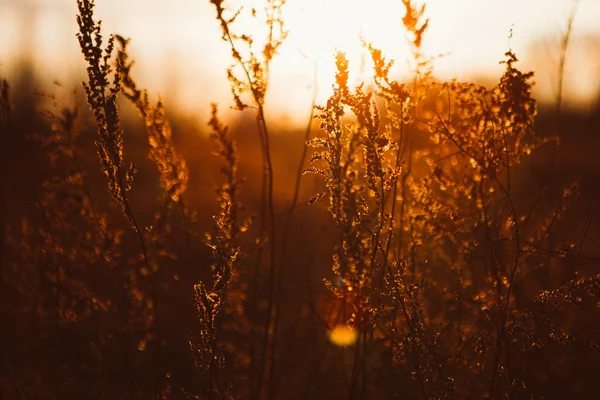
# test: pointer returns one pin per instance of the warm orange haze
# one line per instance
(175, 39)
(322, 199)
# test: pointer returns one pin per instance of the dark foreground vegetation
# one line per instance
(419, 239)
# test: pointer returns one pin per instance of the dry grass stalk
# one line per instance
(211, 300)
(253, 81)
(171, 166)
(102, 98)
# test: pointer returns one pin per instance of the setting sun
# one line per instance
(317, 29)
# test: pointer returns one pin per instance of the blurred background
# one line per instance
(181, 40)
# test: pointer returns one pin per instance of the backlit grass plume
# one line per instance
(171, 166)
(102, 95)
(249, 80)
(211, 299)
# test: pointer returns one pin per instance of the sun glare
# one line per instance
(324, 26)
(317, 29)
(343, 335)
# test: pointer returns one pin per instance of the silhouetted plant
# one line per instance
(171, 166)
(102, 98)
(211, 300)
(252, 81)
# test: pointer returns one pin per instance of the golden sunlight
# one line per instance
(317, 29)
(343, 335)
(183, 42)
(321, 27)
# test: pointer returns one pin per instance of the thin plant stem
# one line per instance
(562, 59)
(6, 140)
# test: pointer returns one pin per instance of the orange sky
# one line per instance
(178, 50)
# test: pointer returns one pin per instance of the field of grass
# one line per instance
(418, 239)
